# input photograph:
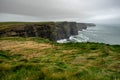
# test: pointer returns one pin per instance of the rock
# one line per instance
(51, 30)
(66, 29)
(43, 30)
(81, 26)
(90, 25)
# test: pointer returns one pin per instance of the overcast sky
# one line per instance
(98, 11)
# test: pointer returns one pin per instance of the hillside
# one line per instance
(40, 59)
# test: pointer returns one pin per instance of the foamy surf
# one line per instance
(77, 38)
(62, 41)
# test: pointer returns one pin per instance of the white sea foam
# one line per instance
(62, 41)
(77, 38)
(102, 34)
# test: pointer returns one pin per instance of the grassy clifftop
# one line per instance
(41, 59)
(9, 25)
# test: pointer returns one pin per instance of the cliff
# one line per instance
(43, 30)
(90, 24)
(51, 30)
(81, 26)
(66, 29)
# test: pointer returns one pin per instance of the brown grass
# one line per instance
(28, 49)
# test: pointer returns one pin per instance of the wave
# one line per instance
(78, 38)
(101, 34)
(62, 41)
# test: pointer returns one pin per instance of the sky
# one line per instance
(95, 11)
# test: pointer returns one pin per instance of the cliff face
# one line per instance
(30, 30)
(90, 24)
(81, 26)
(66, 29)
(51, 30)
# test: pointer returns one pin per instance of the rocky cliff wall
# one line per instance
(52, 30)
(45, 30)
(81, 26)
(90, 25)
(66, 29)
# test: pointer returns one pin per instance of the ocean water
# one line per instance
(100, 33)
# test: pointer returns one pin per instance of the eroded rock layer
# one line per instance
(51, 30)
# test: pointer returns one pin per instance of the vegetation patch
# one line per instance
(40, 59)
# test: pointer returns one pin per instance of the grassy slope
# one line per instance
(9, 25)
(39, 59)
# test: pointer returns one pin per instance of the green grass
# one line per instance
(8, 25)
(35, 39)
(69, 61)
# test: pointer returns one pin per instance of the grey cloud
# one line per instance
(80, 10)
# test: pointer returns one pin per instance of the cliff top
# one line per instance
(8, 25)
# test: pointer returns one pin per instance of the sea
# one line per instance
(109, 34)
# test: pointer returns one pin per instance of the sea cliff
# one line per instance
(50, 30)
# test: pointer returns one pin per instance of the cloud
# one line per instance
(15, 17)
(71, 10)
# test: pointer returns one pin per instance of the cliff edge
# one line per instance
(51, 30)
